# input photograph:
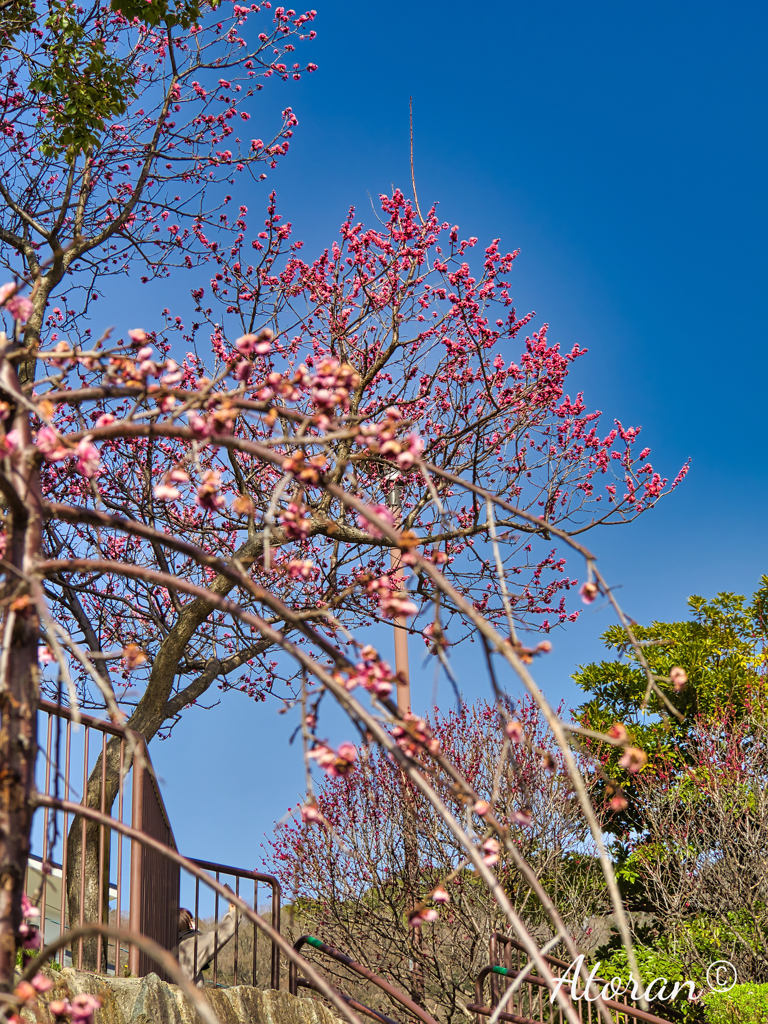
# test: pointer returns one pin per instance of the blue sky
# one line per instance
(622, 147)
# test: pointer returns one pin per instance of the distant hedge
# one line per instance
(744, 1004)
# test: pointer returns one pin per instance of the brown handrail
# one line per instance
(611, 1004)
(93, 723)
(514, 1018)
(255, 876)
(69, 773)
(44, 800)
(499, 937)
(364, 972)
(382, 1018)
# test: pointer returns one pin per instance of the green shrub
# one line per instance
(744, 1004)
(656, 963)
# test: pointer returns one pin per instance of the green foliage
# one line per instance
(161, 12)
(656, 963)
(744, 1004)
(722, 650)
(85, 84)
(18, 16)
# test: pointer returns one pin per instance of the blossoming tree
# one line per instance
(343, 862)
(123, 128)
(383, 362)
(209, 505)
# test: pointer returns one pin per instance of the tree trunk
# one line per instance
(86, 883)
(19, 673)
(18, 749)
(151, 712)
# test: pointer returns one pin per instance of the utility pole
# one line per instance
(394, 500)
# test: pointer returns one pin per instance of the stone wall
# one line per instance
(152, 1001)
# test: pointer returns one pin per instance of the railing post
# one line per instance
(136, 854)
(275, 963)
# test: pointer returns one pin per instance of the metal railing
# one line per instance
(256, 877)
(531, 1003)
(295, 981)
(86, 764)
(70, 760)
(359, 1007)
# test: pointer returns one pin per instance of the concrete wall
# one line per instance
(151, 1001)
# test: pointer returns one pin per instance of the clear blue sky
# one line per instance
(622, 147)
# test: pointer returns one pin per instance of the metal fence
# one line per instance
(531, 1003)
(244, 950)
(68, 758)
(89, 873)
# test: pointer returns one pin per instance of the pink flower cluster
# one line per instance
(279, 385)
(373, 675)
(51, 446)
(208, 493)
(332, 383)
(381, 438)
(491, 850)
(307, 471)
(249, 346)
(415, 735)
(9, 443)
(334, 762)
(393, 602)
(19, 306)
(294, 522)
(29, 933)
(79, 1010)
(383, 513)
(422, 915)
(311, 813)
(28, 991)
(633, 759)
(300, 569)
(167, 489)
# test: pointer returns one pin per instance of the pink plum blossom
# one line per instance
(490, 850)
(88, 459)
(514, 729)
(294, 522)
(166, 492)
(679, 677)
(588, 592)
(393, 603)
(424, 915)
(633, 759)
(383, 513)
(300, 568)
(9, 443)
(311, 813)
(208, 495)
(83, 1007)
(19, 306)
(334, 763)
(173, 373)
(49, 443)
